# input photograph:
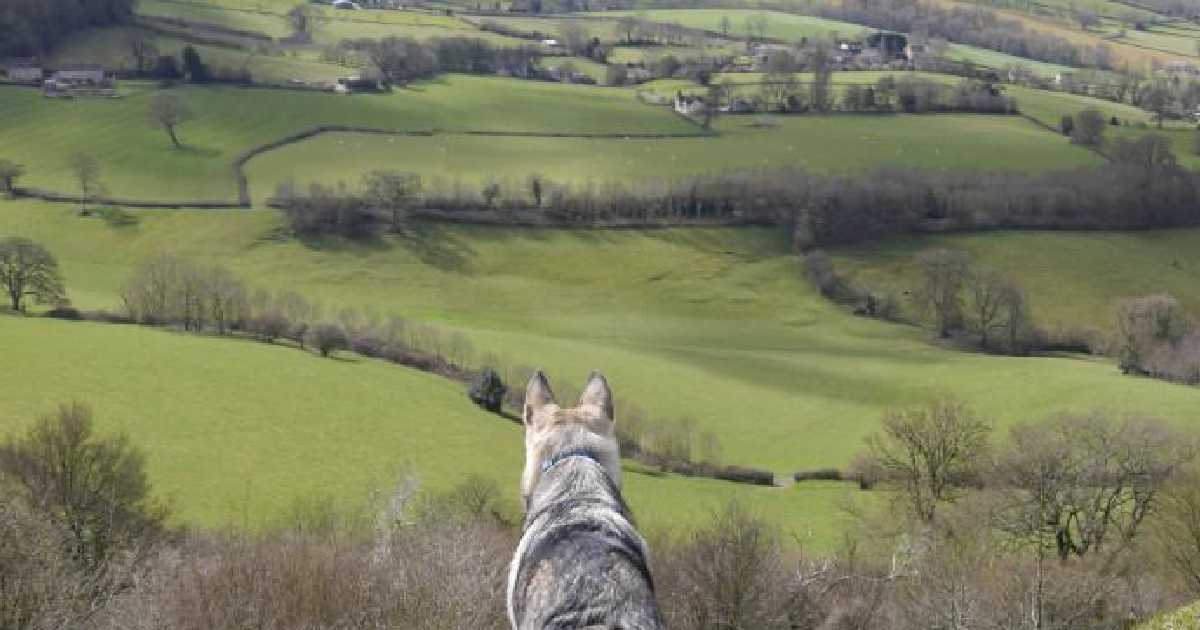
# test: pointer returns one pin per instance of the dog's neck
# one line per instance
(573, 477)
(557, 458)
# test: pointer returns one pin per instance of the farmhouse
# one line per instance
(22, 69)
(689, 105)
(80, 74)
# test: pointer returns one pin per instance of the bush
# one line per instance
(94, 488)
(328, 338)
(65, 312)
(821, 474)
(487, 390)
(39, 585)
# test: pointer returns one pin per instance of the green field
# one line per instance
(833, 144)
(712, 324)
(1073, 278)
(784, 26)
(271, 24)
(237, 433)
(140, 162)
(110, 47)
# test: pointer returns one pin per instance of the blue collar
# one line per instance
(586, 453)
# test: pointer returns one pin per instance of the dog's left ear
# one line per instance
(597, 393)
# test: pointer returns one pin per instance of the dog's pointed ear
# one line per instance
(537, 394)
(598, 393)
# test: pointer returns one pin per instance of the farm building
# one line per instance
(689, 105)
(24, 69)
(80, 74)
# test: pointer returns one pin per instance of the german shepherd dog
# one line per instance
(580, 562)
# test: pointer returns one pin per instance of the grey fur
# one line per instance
(580, 563)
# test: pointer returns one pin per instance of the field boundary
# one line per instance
(243, 182)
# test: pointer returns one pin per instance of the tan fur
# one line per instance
(549, 427)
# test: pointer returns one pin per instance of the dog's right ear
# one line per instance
(537, 395)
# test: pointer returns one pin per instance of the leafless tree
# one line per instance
(991, 301)
(1079, 482)
(930, 452)
(1143, 325)
(820, 62)
(328, 338)
(95, 487)
(394, 192)
(1176, 527)
(1089, 128)
(943, 273)
(168, 111)
(305, 21)
(10, 172)
(29, 270)
(86, 169)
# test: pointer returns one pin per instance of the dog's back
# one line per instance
(581, 562)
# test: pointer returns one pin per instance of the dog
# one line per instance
(580, 563)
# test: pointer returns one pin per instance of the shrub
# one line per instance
(821, 474)
(328, 338)
(38, 582)
(65, 312)
(487, 390)
(94, 488)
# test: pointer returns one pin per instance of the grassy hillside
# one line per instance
(715, 325)
(110, 47)
(1073, 278)
(839, 144)
(238, 433)
(139, 160)
(1187, 618)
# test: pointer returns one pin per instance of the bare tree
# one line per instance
(328, 338)
(1088, 129)
(394, 192)
(989, 306)
(930, 452)
(95, 487)
(820, 61)
(943, 273)
(305, 21)
(1143, 325)
(168, 111)
(142, 50)
(9, 173)
(86, 169)
(1176, 528)
(1076, 482)
(29, 270)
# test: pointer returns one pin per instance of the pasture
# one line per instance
(826, 144)
(717, 325)
(110, 47)
(1073, 279)
(241, 433)
(140, 162)
(784, 26)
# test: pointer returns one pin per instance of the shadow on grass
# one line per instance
(439, 247)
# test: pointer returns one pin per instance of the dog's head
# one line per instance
(551, 429)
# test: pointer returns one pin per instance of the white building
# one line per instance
(80, 74)
(25, 70)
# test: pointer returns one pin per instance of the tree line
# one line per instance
(1142, 186)
(29, 28)
(401, 60)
